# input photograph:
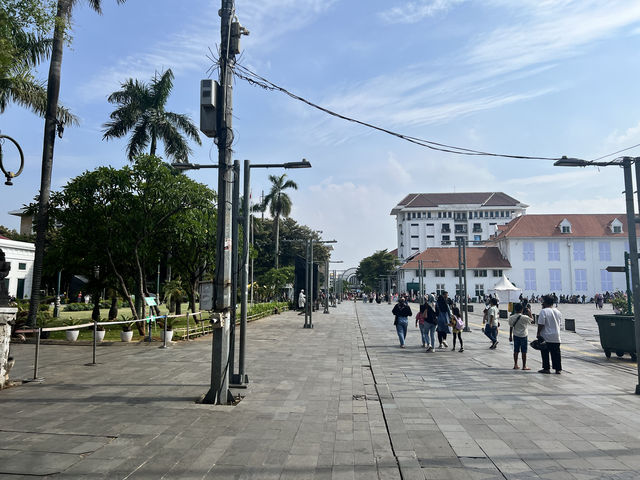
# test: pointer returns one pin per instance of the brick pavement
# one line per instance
(340, 401)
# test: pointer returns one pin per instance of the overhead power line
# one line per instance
(253, 78)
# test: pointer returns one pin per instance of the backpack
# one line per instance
(459, 323)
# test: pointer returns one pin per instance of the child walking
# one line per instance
(420, 321)
(457, 324)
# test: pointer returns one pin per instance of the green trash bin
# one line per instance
(617, 334)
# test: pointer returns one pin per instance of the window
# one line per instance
(439, 214)
(440, 288)
(430, 236)
(479, 290)
(553, 249)
(414, 248)
(22, 266)
(581, 280)
(604, 249)
(617, 229)
(412, 236)
(413, 225)
(606, 282)
(477, 227)
(446, 240)
(530, 279)
(528, 252)
(555, 280)
(417, 273)
(578, 251)
(428, 214)
(459, 291)
(566, 229)
(479, 273)
(446, 228)
(449, 214)
(439, 273)
(497, 273)
(429, 224)
(477, 238)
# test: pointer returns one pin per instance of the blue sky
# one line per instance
(529, 77)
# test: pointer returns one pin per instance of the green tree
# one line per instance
(279, 204)
(275, 280)
(141, 110)
(373, 267)
(51, 126)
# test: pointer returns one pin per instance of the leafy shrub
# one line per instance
(78, 307)
(43, 307)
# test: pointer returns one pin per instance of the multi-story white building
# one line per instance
(20, 255)
(565, 254)
(485, 266)
(427, 220)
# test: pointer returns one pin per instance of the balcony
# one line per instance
(461, 229)
(445, 229)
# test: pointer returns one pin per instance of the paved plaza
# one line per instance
(339, 401)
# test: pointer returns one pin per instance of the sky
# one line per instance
(529, 77)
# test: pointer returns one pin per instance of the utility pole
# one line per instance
(219, 392)
(632, 220)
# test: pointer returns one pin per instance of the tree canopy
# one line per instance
(373, 267)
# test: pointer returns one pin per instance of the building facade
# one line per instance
(566, 254)
(426, 220)
(20, 255)
(440, 267)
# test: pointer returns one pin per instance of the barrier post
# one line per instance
(35, 364)
(164, 335)
(202, 323)
(149, 320)
(95, 334)
(187, 326)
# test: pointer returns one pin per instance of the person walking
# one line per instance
(443, 314)
(402, 312)
(519, 322)
(549, 322)
(430, 322)
(491, 327)
(420, 322)
(301, 302)
(457, 324)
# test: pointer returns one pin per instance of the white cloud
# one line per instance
(630, 136)
(415, 11)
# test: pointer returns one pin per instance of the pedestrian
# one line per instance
(457, 325)
(402, 312)
(443, 314)
(301, 301)
(420, 322)
(430, 322)
(520, 321)
(491, 327)
(549, 322)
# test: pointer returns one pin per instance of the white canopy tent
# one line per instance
(506, 291)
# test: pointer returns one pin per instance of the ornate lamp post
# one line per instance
(7, 173)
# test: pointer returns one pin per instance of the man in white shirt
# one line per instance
(549, 329)
(302, 300)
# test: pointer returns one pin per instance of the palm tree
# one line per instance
(51, 125)
(22, 51)
(141, 108)
(279, 204)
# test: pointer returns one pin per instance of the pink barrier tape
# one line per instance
(71, 327)
(27, 331)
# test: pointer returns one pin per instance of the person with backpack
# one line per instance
(430, 324)
(457, 324)
(520, 321)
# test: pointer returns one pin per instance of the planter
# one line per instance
(617, 334)
(126, 336)
(72, 335)
(169, 335)
(100, 335)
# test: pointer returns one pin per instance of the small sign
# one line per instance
(206, 296)
(614, 268)
(150, 301)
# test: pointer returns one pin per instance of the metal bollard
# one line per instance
(164, 337)
(95, 333)
(37, 359)
(187, 326)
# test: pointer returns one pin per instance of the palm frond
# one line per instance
(161, 86)
(183, 122)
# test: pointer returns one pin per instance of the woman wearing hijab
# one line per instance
(444, 316)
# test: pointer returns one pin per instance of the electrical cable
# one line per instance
(253, 78)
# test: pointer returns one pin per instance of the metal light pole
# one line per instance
(632, 220)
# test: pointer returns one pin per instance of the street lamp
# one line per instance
(326, 283)
(632, 220)
(7, 173)
(241, 378)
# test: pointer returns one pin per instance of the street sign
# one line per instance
(150, 301)
(615, 269)
(206, 295)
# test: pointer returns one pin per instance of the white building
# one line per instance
(20, 255)
(427, 220)
(565, 254)
(485, 266)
